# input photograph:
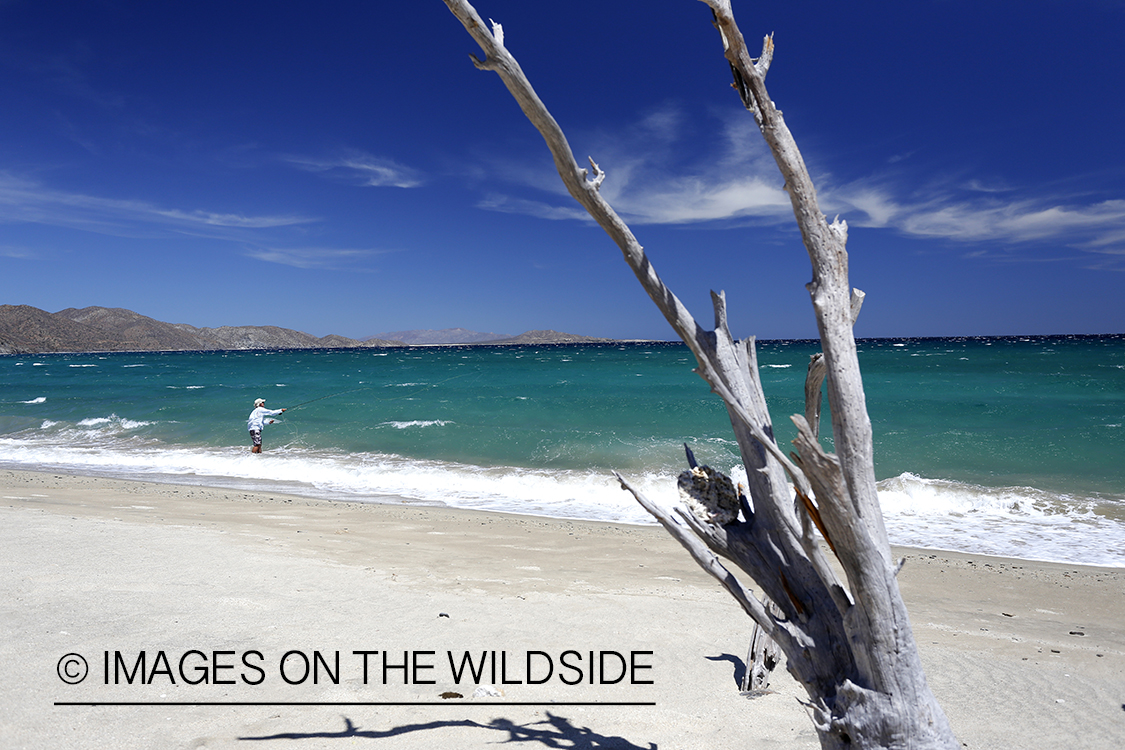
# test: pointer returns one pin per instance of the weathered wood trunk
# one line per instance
(762, 657)
(849, 644)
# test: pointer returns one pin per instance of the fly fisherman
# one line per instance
(258, 420)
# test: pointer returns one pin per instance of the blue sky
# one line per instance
(343, 168)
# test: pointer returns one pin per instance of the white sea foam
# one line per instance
(1017, 522)
(419, 423)
(332, 475)
(112, 423)
(1012, 521)
(40, 400)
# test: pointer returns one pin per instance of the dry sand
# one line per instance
(1020, 654)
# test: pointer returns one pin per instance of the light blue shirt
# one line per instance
(258, 416)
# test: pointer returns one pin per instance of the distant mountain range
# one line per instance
(29, 330)
(448, 336)
(444, 336)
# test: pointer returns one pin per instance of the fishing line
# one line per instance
(395, 397)
(330, 395)
(429, 386)
(295, 433)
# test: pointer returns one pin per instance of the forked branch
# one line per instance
(852, 650)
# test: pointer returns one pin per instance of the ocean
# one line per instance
(1005, 446)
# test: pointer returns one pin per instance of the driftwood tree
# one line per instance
(849, 643)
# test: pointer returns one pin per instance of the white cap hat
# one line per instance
(259, 401)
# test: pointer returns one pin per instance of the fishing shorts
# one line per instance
(256, 437)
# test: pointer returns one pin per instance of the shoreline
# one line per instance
(234, 486)
(425, 430)
(1019, 653)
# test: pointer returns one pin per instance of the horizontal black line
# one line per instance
(355, 703)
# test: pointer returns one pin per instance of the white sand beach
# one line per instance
(217, 586)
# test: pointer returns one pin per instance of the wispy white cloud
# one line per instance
(696, 199)
(980, 186)
(541, 209)
(229, 220)
(987, 218)
(655, 176)
(657, 173)
(12, 251)
(360, 168)
(23, 201)
(320, 258)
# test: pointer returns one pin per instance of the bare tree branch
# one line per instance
(852, 649)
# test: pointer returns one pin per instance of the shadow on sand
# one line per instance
(738, 664)
(554, 731)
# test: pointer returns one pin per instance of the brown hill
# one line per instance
(26, 330)
(532, 338)
(140, 332)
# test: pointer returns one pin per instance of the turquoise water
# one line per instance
(1003, 446)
